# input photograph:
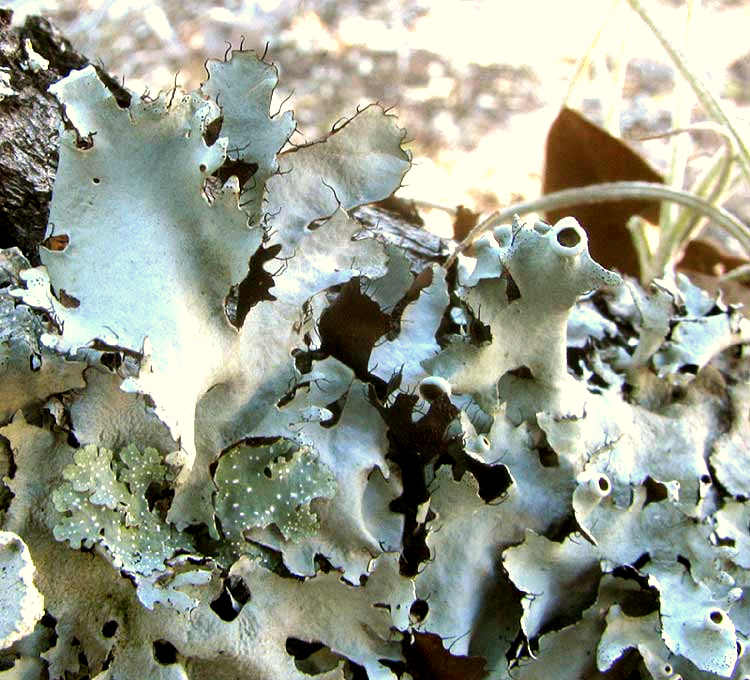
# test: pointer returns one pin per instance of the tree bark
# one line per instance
(29, 122)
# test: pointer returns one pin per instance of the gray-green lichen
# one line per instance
(22, 605)
(259, 486)
(318, 464)
(103, 500)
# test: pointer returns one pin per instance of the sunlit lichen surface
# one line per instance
(240, 438)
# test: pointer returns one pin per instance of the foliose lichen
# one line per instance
(291, 455)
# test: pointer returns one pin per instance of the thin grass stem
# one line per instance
(607, 193)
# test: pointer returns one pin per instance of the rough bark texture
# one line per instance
(398, 223)
(29, 123)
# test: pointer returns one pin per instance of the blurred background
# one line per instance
(476, 83)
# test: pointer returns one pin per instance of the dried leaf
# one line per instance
(579, 153)
(464, 221)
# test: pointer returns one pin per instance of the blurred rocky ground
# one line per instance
(476, 83)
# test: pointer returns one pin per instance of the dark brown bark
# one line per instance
(29, 124)
(29, 121)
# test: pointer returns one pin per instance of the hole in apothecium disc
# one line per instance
(568, 237)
